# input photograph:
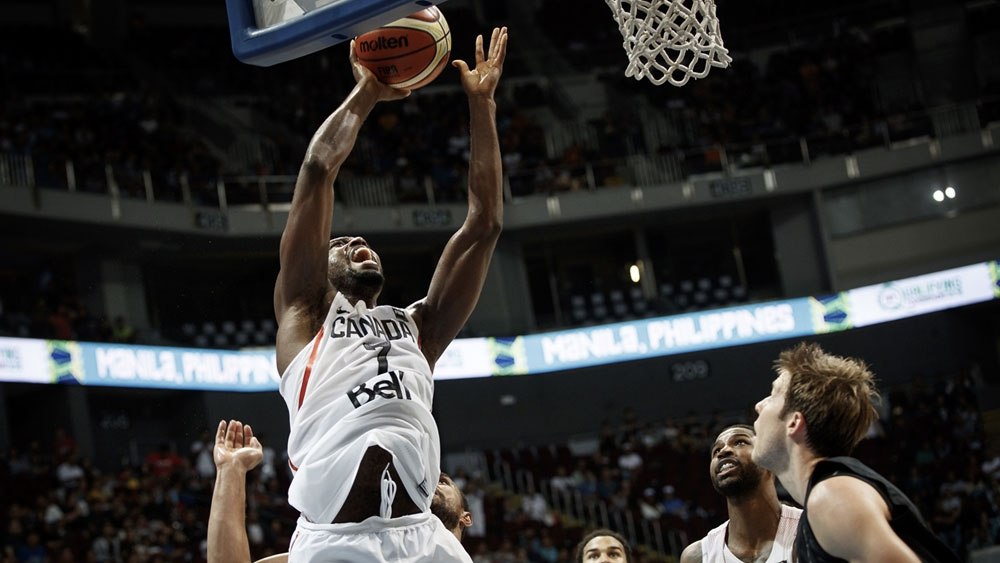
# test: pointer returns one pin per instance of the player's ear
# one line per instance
(796, 425)
(465, 520)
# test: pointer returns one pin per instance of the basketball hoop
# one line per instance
(670, 40)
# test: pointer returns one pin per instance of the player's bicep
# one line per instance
(304, 248)
(455, 287)
(851, 521)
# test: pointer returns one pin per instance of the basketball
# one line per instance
(409, 52)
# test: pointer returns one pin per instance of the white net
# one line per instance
(670, 40)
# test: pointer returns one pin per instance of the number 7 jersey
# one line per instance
(361, 382)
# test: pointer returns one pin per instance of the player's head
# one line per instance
(450, 506)
(829, 397)
(603, 546)
(354, 268)
(731, 468)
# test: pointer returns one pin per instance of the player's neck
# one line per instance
(753, 518)
(354, 299)
(795, 478)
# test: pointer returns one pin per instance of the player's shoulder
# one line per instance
(838, 491)
(692, 553)
(840, 504)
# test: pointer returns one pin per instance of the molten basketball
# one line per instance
(409, 52)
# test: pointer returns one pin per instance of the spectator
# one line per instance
(164, 462)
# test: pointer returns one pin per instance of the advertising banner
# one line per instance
(922, 294)
(86, 363)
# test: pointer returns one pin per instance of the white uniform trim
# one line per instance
(715, 550)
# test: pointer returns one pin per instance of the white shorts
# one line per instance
(415, 538)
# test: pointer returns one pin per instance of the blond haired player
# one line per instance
(819, 408)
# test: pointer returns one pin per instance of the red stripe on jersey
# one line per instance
(292, 465)
(309, 366)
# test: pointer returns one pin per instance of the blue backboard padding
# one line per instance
(338, 21)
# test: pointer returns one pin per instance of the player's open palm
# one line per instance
(236, 446)
(482, 80)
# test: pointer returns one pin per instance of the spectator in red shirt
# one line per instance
(163, 462)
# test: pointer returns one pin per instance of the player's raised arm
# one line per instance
(461, 271)
(302, 285)
(236, 452)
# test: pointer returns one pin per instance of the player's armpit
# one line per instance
(851, 521)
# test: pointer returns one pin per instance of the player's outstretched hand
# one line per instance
(365, 77)
(236, 446)
(482, 80)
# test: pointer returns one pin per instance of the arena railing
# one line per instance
(668, 164)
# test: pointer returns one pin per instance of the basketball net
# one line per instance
(670, 40)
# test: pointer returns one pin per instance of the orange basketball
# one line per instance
(409, 52)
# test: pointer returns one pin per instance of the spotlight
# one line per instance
(938, 196)
(633, 272)
(949, 192)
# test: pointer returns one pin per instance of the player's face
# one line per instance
(448, 491)
(604, 549)
(354, 268)
(769, 448)
(447, 502)
(731, 468)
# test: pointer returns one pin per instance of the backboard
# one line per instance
(268, 32)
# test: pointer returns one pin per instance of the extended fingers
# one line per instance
(479, 50)
(354, 54)
(220, 433)
(247, 435)
(234, 434)
(494, 43)
(501, 48)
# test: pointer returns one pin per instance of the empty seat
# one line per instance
(597, 303)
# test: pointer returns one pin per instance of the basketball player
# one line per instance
(760, 529)
(357, 377)
(603, 546)
(819, 408)
(238, 451)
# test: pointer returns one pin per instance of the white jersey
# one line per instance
(715, 550)
(361, 382)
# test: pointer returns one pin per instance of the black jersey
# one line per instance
(905, 520)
